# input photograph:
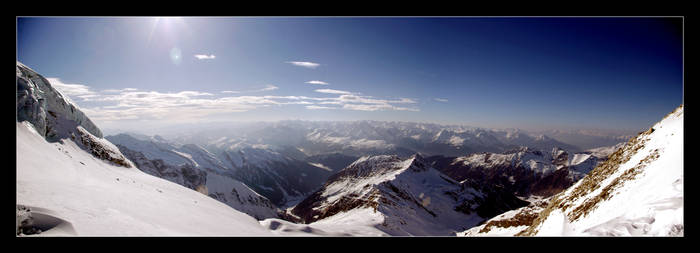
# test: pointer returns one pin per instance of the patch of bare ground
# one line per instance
(524, 217)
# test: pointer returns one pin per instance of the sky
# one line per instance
(128, 73)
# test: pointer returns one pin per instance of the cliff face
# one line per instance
(46, 107)
(55, 117)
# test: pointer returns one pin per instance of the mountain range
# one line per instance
(364, 178)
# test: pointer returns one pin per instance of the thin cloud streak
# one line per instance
(317, 82)
(116, 90)
(332, 91)
(316, 107)
(269, 87)
(205, 57)
(306, 64)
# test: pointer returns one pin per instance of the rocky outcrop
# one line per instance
(55, 117)
(37, 99)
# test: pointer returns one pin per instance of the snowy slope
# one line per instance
(71, 181)
(354, 222)
(399, 197)
(197, 174)
(266, 170)
(97, 198)
(638, 191)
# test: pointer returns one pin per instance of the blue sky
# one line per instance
(530, 73)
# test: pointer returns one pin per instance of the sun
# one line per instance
(169, 24)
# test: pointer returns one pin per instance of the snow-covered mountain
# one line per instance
(71, 181)
(523, 171)
(280, 175)
(590, 138)
(604, 152)
(209, 182)
(359, 138)
(637, 191)
(401, 197)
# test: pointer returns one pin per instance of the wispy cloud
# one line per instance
(72, 90)
(316, 107)
(205, 57)
(444, 100)
(112, 105)
(332, 91)
(317, 82)
(116, 90)
(268, 87)
(366, 103)
(306, 64)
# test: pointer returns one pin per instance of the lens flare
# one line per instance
(176, 55)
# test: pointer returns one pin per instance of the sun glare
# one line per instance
(169, 24)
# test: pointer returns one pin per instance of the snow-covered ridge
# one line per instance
(537, 161)
(400, 196)
(205, 176)
(68, 192)
(524, 171)
(638, 191)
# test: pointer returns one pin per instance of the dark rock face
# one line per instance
(497, 200)
(552, 184)
(30, 106)
(512, 175)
